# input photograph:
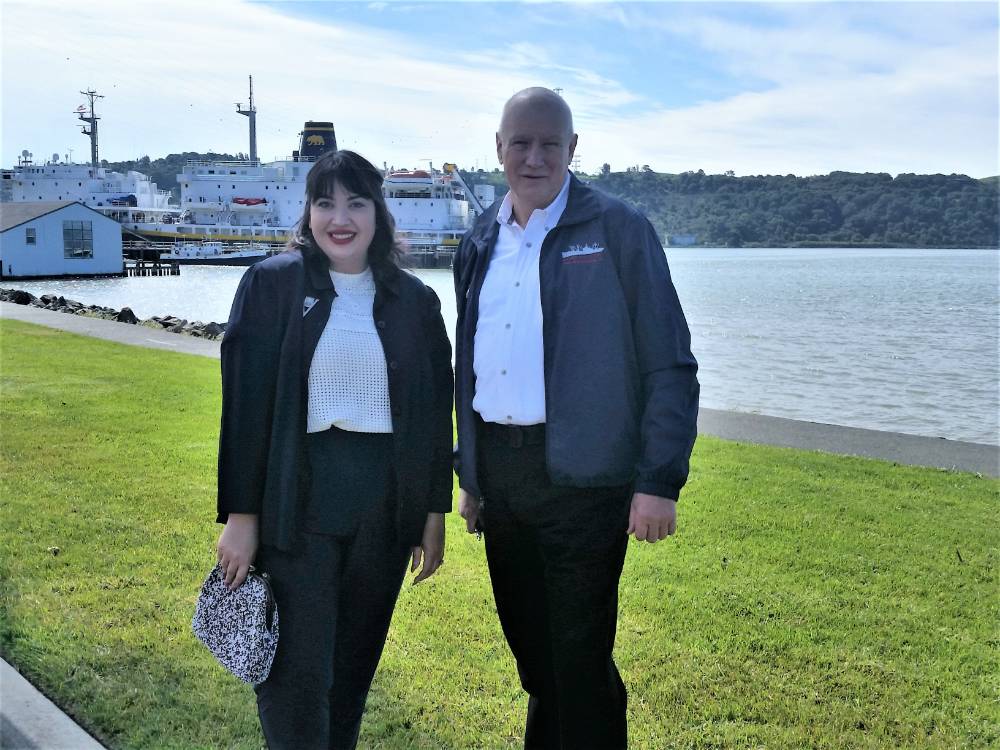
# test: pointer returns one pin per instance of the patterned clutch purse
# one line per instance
(239, 627)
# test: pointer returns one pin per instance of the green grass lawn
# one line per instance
(808, 600)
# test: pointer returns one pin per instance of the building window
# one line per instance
(78, 239)
(29, 236)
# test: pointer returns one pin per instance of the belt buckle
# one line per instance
(516, 436)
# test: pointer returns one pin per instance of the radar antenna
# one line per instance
(91, 119)
(251, 113)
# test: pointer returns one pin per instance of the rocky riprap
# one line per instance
(125, 315)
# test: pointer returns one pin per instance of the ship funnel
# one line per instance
(316, 139)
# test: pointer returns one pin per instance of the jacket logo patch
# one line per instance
(583, 254)
(307, 304)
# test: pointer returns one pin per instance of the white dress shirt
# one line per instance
(508, 355)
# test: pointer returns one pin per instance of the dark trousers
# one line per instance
(555, 556)
(335, 598)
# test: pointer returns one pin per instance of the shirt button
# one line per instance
(381, 324)
(528, 244)
(503, 372)
(393, 365)
(517, 283)
(507, 326)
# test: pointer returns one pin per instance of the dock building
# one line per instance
(58, 238)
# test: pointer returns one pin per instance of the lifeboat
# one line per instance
(410, 174)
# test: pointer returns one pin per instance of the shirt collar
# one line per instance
(551, 212)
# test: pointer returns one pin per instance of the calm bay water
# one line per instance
(900, 340)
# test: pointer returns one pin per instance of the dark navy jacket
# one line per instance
(621, 393)
(266, 354)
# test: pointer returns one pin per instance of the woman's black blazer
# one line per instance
(279, 312)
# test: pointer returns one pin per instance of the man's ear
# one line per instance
(499, 149)
(572, 146)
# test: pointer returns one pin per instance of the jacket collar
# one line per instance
(318, 274)
(582, 205)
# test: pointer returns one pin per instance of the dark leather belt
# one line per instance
(513, 435)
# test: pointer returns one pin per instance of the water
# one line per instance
(900, 340)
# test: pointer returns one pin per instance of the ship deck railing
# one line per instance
(238, 163)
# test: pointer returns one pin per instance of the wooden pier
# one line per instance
(152, 268)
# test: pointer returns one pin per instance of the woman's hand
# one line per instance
(431, 549)
(237, 547)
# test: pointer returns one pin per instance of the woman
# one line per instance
(335, 449)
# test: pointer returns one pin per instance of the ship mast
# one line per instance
(91, 119)
(251, 113)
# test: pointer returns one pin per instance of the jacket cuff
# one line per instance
(660, 489)
(440, 505)
(223, 515)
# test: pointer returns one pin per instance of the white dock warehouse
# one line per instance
(57, 238)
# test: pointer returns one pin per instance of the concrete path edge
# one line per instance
(30, 721)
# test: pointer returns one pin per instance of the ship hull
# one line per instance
(219, 261)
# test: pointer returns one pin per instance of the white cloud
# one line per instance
(834, 87)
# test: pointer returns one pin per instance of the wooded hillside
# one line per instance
(842, 208)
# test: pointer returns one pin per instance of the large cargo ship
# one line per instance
(260, 203)
(240, 211)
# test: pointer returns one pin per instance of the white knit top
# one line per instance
(348, 385)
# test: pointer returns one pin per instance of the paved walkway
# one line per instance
(26, 717)
(30, 721)
(111, 330)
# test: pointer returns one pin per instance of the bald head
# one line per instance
(541, 101)
(535, 144)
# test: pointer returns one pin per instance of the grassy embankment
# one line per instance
(808, 601)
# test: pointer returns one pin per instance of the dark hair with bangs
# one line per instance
(360, 177)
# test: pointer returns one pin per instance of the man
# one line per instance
(577, 401)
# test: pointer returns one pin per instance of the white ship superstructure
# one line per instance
(99, 188)
(250, 201)
(124, 197)
(431, 208)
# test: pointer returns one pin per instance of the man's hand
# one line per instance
(468, 508)
(431, 549)
(652, 518)
(237, 548)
